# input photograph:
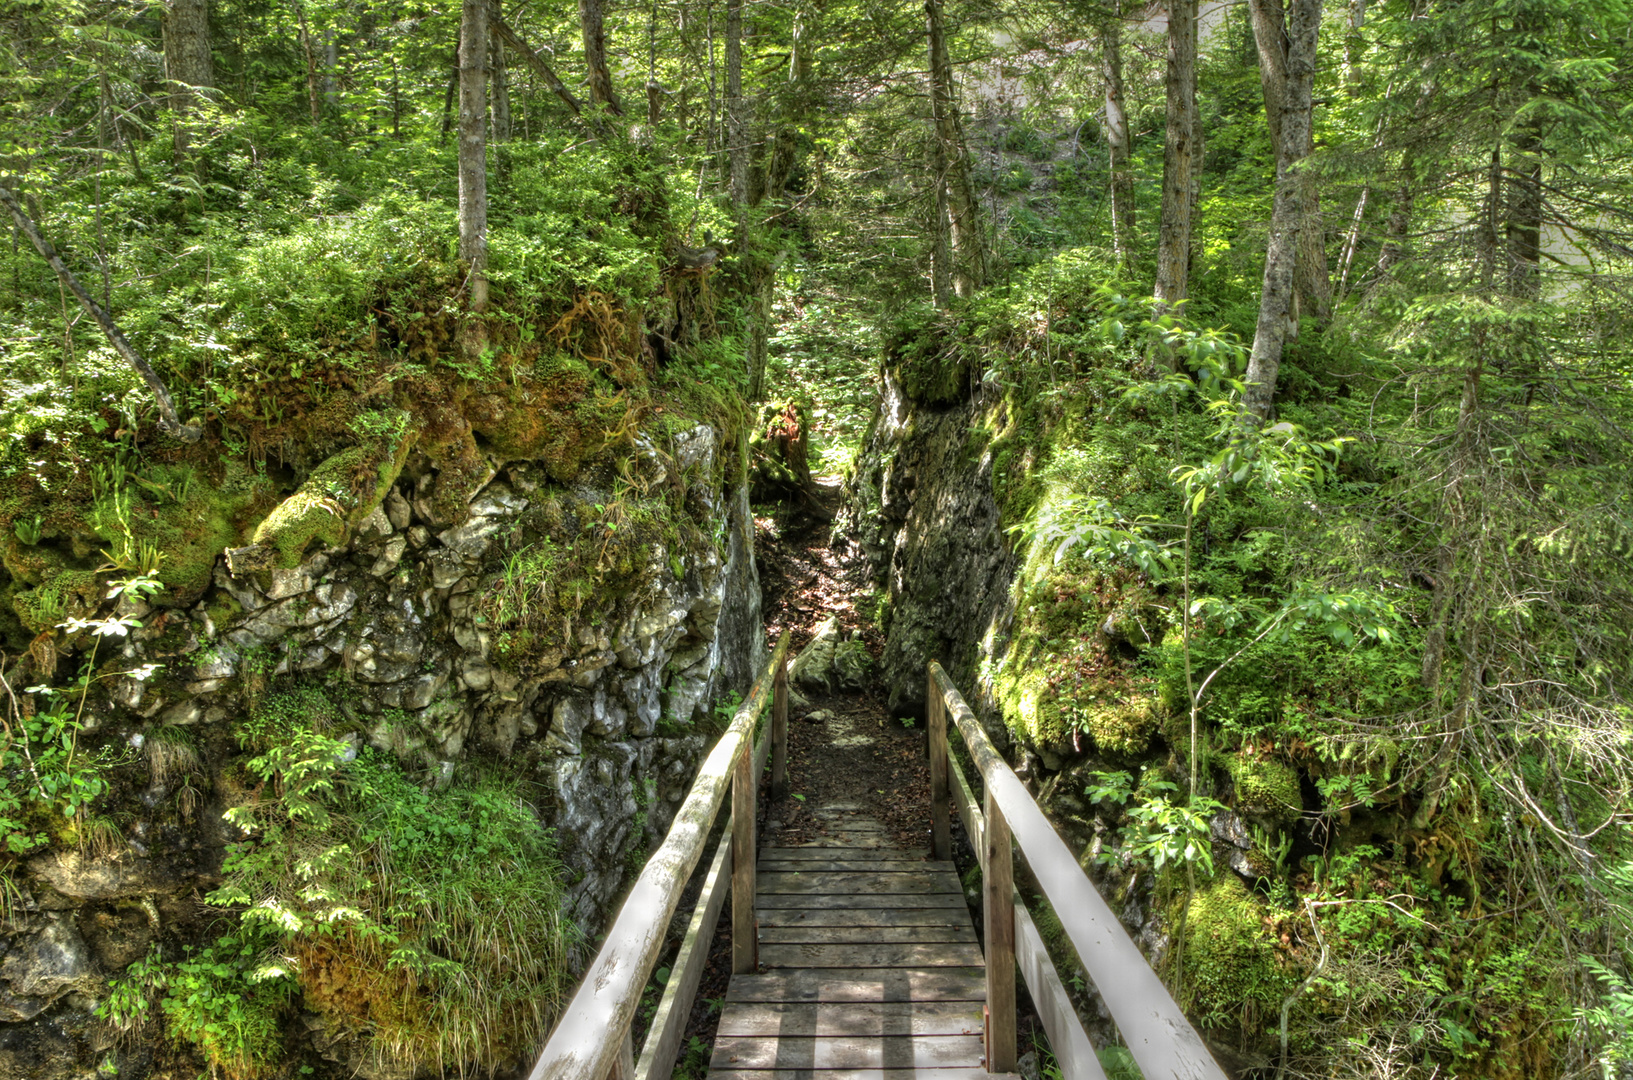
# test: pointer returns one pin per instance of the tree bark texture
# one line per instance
(498, 80)
(969, 245)
(1289, 216)
(1312, 278)
(1117, 139)
(473, 148)
(187, 61)
(168, 420)
(1523, 227)
(1174, 231)
(592, 22)
(736, 116)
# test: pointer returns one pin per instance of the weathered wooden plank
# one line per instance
(663, 1038)
(998, 906)
(744, 794)
(861, 917)
(1156, 1030)
(836, 851)
(853, 900)
(850, 840)
(865, 935)
(778, 865)
(941, 954)
(590, 1032)
(846, 1052)
(623, 1066)
(779, 733)
(861, 984)
(1067, 1039)
(941, 841)
(853, 883)
(784, 1019)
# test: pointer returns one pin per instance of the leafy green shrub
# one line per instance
(227, 999)
(432, 921)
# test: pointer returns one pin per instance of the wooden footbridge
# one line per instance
(856, 960)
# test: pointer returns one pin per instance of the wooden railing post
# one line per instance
(779, 733)
(745, 944)
(941, 831)
(998, 900)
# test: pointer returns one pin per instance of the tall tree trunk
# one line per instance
(785, 145)
(1174, 232)
(314, 97)
(498, 80)
(1354, 46)
(1289, 216)
(969, 245)
(1117, 138)
(736, 117)
(1312, 279)
(591, 20)
(1523, 227)
(941, 252)
(188, 65)
(473, 148)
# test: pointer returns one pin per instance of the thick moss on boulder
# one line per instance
(1266, 789)
(332, 502)
(1232, 976)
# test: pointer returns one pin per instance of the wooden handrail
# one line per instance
(591, 1039)
(1154, 1027)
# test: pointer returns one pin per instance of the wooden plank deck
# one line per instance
(870, 968)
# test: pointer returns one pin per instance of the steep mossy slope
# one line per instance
(1157, 593)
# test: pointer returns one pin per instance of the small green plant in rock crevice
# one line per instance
(227, 999)
(43, 767)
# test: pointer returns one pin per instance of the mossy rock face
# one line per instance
(1232, 976)
(63, 594)
(924, 353)
(554, 415)
(1266, 789)
(1124, 726)
(338, 495)
(1034, 713)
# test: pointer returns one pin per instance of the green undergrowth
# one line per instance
(319, 350)
(1297, 640)
(426, 920)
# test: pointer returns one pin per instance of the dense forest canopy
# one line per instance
(1298, 334)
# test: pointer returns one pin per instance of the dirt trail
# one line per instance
(849, 762)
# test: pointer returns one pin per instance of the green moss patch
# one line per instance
(338, 495)
(1231, 972)
(1266, 788)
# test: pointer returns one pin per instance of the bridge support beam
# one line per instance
(941, 830)
(779, 733)
(998, 911)
(745, 943)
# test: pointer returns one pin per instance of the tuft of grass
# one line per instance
(171, 754)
